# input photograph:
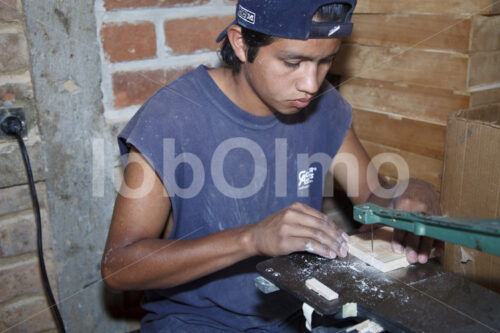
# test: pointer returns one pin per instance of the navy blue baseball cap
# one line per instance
(290, 18)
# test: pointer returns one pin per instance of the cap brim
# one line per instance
(223, 34)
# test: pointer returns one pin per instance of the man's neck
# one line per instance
(237, 89)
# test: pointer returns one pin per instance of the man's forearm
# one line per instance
(161, 263)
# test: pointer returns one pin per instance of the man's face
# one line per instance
(288, 73)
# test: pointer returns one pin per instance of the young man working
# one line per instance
(226, 165)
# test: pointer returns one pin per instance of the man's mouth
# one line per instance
(301, 103)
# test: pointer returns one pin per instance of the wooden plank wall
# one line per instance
(411, 63)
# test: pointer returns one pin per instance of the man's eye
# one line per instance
(327, 61)
(292, 64)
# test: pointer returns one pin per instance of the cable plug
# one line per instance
(12, 125)
(12, 122)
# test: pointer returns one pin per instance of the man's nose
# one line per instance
(308, 82)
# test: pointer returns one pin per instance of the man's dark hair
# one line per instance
(255, 40)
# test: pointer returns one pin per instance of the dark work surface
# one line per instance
(422, 298)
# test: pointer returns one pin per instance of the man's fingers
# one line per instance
(336, 242)
(397, 241)
(425, 249)
(308, 222)
(312, 246)
(412, 245)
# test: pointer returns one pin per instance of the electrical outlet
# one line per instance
(16, 112)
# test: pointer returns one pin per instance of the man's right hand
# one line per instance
(299, 227)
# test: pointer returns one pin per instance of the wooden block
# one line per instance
(409, 100)
(426, 168)
(436, 69)
(382, 256)
(438, 32)
(321, 289)
(413, 136)
(429, 6)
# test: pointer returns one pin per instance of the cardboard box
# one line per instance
(471, 186)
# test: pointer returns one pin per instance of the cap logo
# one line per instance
(333, 30)
(246, 15)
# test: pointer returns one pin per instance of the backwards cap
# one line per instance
(290, 18)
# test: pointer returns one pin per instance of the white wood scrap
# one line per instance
(321, 289)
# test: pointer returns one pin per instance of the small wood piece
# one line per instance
(382, 257)
(321, 289)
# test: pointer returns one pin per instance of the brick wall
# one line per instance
(23, 306)
(144, 45)
(147, 44)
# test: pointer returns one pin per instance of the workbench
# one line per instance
(420, 298)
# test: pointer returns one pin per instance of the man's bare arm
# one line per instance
(135, 256)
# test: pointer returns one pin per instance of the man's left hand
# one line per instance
(420, 196)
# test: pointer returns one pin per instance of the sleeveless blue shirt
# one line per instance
(224, 167)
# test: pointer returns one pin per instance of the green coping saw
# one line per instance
(480, 234)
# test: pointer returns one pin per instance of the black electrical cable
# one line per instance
(13, 126)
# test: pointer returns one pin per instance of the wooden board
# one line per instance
(439, 32)
(409, 100)
(426, 168)
(437, 69)
(414, 136)
(382, 257)
(429, 6)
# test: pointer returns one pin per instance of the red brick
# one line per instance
(119, 4)
(10, 10)
(134, 88)
(9, 97)
(125, 42)
(19, 90)
(24, 279)
(28, 315)
(13, 52)
(185, 36)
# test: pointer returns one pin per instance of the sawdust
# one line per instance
(367, 279)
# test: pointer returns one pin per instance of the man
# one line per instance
(226, 165)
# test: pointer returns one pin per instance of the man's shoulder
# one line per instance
(181, 95)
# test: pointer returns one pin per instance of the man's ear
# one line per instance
(237, 42)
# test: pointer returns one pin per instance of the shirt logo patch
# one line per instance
(246, 15)
(306, 177)
(333, 30)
